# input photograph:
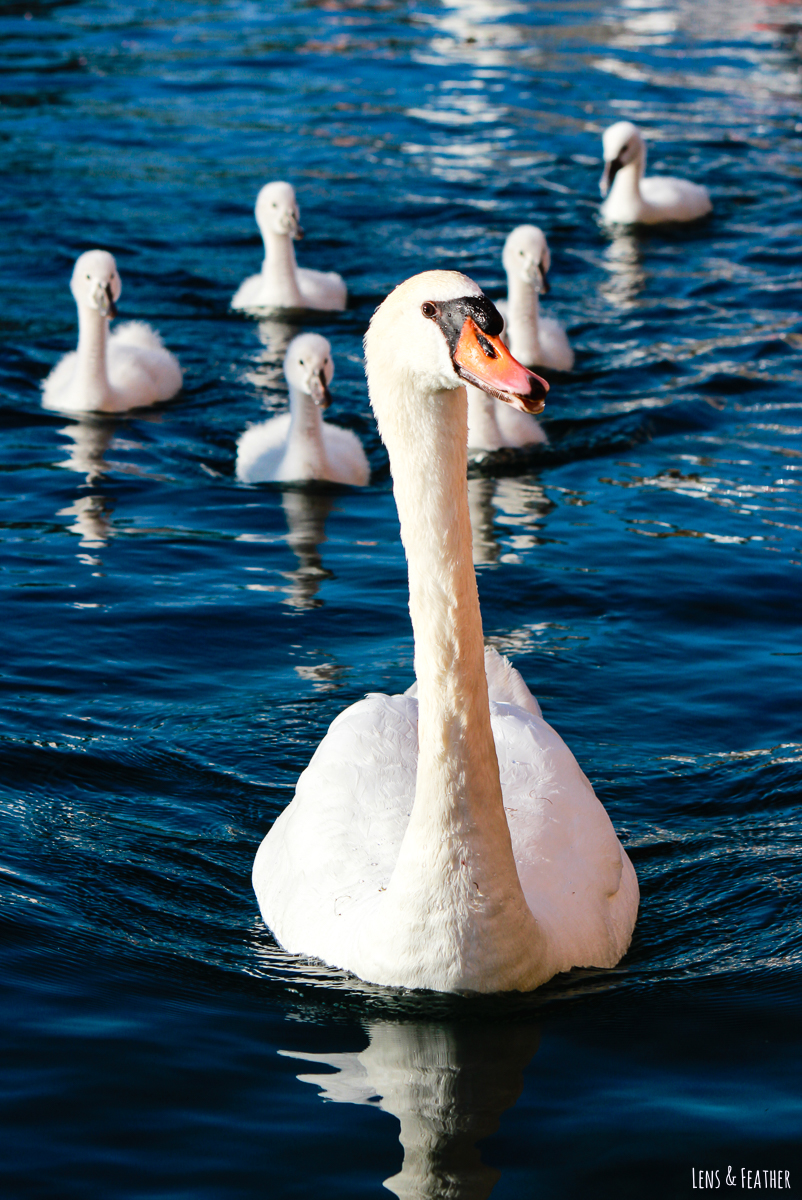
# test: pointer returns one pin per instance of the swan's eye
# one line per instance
(300, 362)
(521, 253)
(89, 277)
(428, 309)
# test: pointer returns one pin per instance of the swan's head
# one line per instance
(622, 143)
(96, 282)
(436, 331)
(309, 367)
(526, 256)
(277, 210)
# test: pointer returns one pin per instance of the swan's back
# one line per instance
(555, 348)
(675, 199)
(346, 457)
(261, 448)
(140, 367)
(324, 290)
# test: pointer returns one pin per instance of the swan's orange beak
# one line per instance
(486, 362)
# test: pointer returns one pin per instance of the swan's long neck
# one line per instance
(523, 313)
(455, 885)
(280, 268)
(305, 444)
(93, 330)
(457, 767)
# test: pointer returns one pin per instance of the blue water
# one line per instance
(176, 644)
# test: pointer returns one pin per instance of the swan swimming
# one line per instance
(299, 445)
(447, 839)
(109, 371)
(637, 199)
(281, 283)
(533, 339)
(491, 427)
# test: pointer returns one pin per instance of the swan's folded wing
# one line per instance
(575, 875)
(261, 448)
(330, 854)
(58, 382)
(140, 367)
(682, 199)
(347, 459)
(505, 684)
(324, 290)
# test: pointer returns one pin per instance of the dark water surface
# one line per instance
(176, 644)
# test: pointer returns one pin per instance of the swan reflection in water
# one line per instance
(275, 334)
(91, 437)
(626, 278)
(447, 1083)
(519, 505)
(306, 513)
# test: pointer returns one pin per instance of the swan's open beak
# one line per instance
(609, 173)
(486, 362)
(319, 390)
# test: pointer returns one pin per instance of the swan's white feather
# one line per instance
(329, 856)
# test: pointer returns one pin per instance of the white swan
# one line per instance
(533, 339)
(637, 199)
(491, 427)
(109, 371)
(418, 851)
(282, 283)
(299, 445)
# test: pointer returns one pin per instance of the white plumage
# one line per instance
(299, 445)
(535, 340)
(635, 198)
(110, 371)
(493, 425)
(447, 840)
(282, 283)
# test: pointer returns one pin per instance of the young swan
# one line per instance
(493, 425)
(110, 371)
(447, 840)
(282, 283)
(635, 199)
(299, 445)
(535, 340)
